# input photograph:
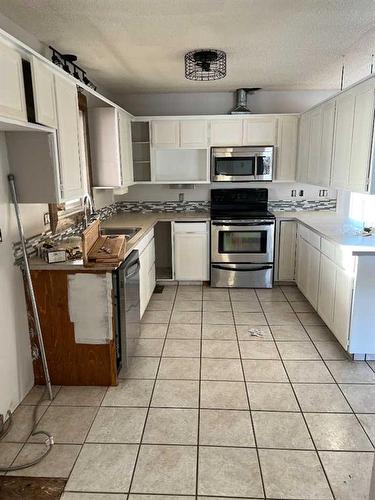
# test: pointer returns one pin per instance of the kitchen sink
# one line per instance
(128, 232)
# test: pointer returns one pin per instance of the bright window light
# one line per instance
(362, 208)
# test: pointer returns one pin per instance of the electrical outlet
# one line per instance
(294, 193)
(1, 236)
(301, 192)
(181, 196)
(46, 219)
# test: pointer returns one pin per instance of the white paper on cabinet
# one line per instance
(90, 307)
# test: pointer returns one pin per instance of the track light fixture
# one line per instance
(67, 63)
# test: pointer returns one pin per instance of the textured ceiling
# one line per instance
(138, 45)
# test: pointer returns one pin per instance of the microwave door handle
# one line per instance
(224, 268)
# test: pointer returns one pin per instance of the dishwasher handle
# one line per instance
(137, 266)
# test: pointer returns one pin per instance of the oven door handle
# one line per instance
(247, 224)
(251, 269)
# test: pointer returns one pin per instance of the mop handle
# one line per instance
(12, 186)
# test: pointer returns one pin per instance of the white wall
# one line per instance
(276, 191)
(16, 374)
(205, 103)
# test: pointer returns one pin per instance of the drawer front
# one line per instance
(314, 240)
(190, 227)
(328, 248)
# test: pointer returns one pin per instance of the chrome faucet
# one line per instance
(87, 204)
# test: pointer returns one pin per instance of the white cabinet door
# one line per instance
(193, 133)
(314, 146)
(362, 136)
(12, 92)
(226, 132)
(287, 137)
(303, 148)
(287, 250)
(191, 253)
(343, 139)
(302, 264)
(146, 275)
(126, 153)
(326, 145)
(327, 287)
(343, 306)
(44, 93)
(67, 135)
(165, 134)
(260, 131)
(312, 285)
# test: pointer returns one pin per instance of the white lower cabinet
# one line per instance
(191, 247)
(326, 277)
(147, 279)
(287, 250)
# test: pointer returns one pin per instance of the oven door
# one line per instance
(242, 275)
(242, 241)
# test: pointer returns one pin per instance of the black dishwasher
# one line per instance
(127, 313)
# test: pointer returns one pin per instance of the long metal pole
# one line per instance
(12, 186)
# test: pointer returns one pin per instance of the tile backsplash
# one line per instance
(166, 206)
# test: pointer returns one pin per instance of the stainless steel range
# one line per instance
(242, 238)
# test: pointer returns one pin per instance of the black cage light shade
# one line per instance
(205, 65)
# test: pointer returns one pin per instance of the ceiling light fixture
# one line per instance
(205, 65)
(67, 63)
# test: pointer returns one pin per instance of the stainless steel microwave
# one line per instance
(241, 164)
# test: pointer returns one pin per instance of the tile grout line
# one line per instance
(150, 400)
(338, 385)
(248, 400)
(199, 400)
(298, 403)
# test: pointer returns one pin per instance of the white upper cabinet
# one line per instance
(165, 134)
(326, 144)
(303, 147)
(12, 91)
(126, 153)
(286, 148)
(176, 134)
(44, 93)
(110, 147)
(363, 123)
(227, 132)
(71, 186)
(353, 138)
(314, 146)
(193, 134)
(260, 131)
(343, 139)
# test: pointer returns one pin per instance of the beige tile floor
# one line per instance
(208, 411)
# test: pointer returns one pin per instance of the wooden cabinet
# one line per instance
(71, 186)
(286, 153)
(227, 132)
(44, 93)
(191, 251)
(287, 250)
(260, 131)
(165, 134)
(110, 147)
(193, 134)
(12, 91)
